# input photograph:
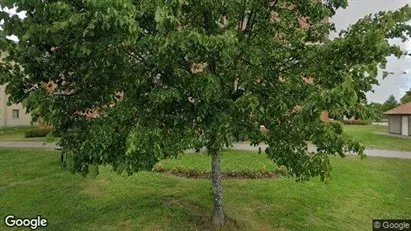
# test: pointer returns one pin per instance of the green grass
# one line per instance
(234, 161)
(366, 134)
(33, 183)
(18, 134)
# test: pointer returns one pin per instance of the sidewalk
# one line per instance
(312, 148)
(393, 135)
(6, 144)
(238, 146)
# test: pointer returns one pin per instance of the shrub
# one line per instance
(354, 122)
(337, 126)
(158, 167)
(282, 170)
(38, 132)
(229, 173)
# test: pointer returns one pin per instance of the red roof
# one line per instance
(404, 109)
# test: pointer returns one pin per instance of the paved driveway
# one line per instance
(312, 148)
(239, 146)
(26, 145)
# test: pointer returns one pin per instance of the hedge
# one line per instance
(38, 132)
(354, 122)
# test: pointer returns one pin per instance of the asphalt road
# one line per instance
(238, 146)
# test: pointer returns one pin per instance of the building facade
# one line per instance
(13, 115)
(399, 120)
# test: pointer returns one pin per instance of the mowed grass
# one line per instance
(15, 134)
(33, 183)
(367, 135)
(234, 161)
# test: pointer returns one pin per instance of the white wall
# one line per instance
(6, 112)
(404, 124)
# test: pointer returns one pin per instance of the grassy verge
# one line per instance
(235, 164)
(367, 135)
(32, 183)
(17, 134)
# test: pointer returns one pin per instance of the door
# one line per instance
(394, 124)
(404, 125)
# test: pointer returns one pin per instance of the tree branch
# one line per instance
(242, 16)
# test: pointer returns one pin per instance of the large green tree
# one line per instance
(406, 98)
(375, 112)
(192, 72)
(390, 103)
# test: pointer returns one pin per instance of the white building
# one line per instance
(14, 115)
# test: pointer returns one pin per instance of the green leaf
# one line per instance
(93, 171)
(385, 74)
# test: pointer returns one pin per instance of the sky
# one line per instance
(399, 82)
(12, 11)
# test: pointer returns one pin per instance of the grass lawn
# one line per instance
(18, 134)
(234, 161)
(366, 134)
(33, 183)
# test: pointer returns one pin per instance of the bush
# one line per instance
(227, 174)
(337, 126)
(354, 122)
(38, 132)
(282, 170)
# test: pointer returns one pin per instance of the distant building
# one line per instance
(399, 120)
(13, 115)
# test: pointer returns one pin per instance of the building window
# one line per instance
(16, 114)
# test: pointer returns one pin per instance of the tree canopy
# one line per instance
(406, 98)
(164, 75)
(375, 112)
(390, 103)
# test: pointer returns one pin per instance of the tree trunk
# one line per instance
(218, 214)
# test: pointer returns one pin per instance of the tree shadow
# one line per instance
(154, 210)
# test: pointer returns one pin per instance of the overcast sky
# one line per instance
(400, 81)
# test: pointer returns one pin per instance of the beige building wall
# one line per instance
(14, 115)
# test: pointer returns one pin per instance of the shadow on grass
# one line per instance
(150, 211)
(359, 191)
(144, 201)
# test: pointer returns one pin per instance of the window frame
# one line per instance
(13, 114)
